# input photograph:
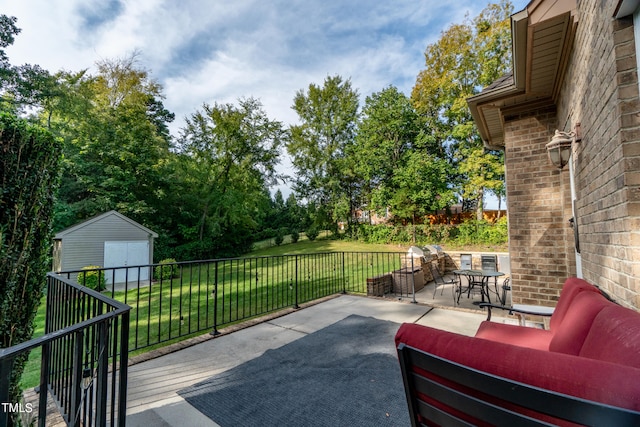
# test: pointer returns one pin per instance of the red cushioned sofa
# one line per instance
(583, 370)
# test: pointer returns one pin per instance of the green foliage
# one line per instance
(116, 142)
(436, 233)
(373, 234)
(312, 233)
(318, 146)
(471, 232)
(387, 131)
(279, 238)
(466, 58)
(93, 278)
(474, 231)
(398, 161)
(166, 270)
(228, 158)
(29, 175)
(295, 236)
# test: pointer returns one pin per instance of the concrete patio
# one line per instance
(153, 383)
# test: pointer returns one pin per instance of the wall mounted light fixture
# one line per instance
(559, 148)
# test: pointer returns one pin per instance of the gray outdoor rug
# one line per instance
(346, 374)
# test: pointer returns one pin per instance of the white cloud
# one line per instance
(216, 51)
(204, 51)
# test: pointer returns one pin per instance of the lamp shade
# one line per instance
(559, 148)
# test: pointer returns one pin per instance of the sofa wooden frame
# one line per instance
(429, 397)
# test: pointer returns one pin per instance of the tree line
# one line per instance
(206, 191)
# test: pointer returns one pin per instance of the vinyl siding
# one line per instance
(85, 245)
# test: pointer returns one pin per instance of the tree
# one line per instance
(116, 142)
(466, 58)
(24, 85)
(28, 178)
(29, 172)
(387, 130)
(229, 158)
(318, 146)
(398, 158)
(295, 213)
(416, 188)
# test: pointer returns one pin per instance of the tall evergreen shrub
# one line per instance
(29, 172)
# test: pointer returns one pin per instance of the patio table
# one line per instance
(476, 278)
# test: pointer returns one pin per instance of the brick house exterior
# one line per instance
(575, 69)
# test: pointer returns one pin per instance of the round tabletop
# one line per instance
(484, 273)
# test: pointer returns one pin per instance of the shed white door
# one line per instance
(126, 254)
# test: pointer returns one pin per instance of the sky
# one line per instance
(214, 51)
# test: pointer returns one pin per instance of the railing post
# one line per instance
(295, 305)
(124, 363)
(6, 365)
(344, 277)
(413, 284)
(44, 383)
(215, 301)
(76, 380)
(102, 374)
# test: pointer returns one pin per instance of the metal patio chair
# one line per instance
(438, 280)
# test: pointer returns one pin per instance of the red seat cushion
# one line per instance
(516, 335)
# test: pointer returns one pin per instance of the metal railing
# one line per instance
(172, 301)
(84, 356)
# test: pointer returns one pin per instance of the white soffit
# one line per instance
(626, 8)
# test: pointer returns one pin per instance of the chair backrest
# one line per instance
(437, 277)
(466, 262)
(489, 262)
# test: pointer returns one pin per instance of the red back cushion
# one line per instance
(569, 336)
(614, 337)
(572, 287)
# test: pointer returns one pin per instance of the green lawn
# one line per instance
(266, 280)
(325, 245)
(31, 374)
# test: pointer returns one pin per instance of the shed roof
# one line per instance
(97, 218)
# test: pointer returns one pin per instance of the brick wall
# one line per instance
(600, 90)
(538, 216)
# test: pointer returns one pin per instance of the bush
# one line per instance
(295, 236)
(200, 249)
(29, 173)
(468, 233)
(474, 231)
(435, 233)
(279, 239)
(93, 279)
(167, 270)
(374, 233)
(497, 233)
(267, 233)
(312, 233)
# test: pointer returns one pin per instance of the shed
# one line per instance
(107, 240)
